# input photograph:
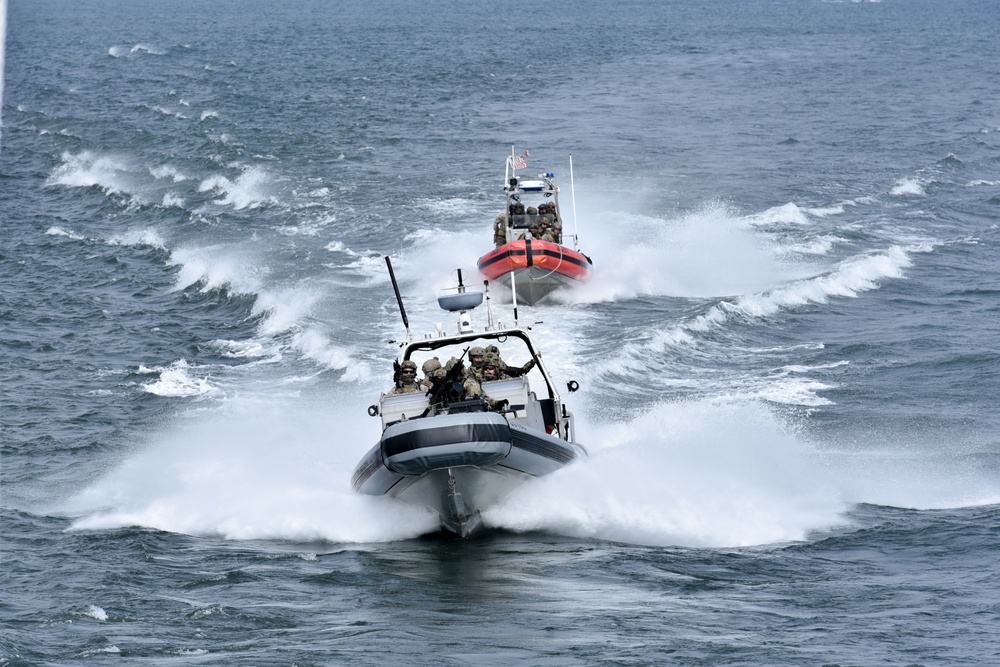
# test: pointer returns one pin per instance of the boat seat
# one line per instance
(518, 395)
(397, 407)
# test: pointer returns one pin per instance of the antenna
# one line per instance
(489, 309)
(513, 295)
(572, 190)
(399, 299)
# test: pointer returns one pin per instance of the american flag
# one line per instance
(519, 162)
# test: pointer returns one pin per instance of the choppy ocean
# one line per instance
(788, 355)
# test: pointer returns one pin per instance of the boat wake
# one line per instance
(706, 473)
(710, 252)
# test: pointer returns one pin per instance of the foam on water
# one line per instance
(177, 380)
(709, 473)
(250, 190)
(111, 173)
(97, 613)
(907, 186)
(268, 468)
(692, 474)
(789, 213)
(138, 238)
(709, 252)
(217, 267)
(59, 231)
(847, 279)
(719, 473)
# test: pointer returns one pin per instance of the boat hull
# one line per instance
(459, 464)
(537, 267)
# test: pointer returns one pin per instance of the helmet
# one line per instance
(409, 363)
(431, 365)
(532, 210)
(491, 368)
(476, 352)
(493, 349)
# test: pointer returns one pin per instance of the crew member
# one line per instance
(407, 383)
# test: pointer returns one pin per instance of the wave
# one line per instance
(707, 253)
(709, 473)
(699, 474)
(268, 468)
(111, 173)
(59, 231)
(177, 381)
(166, 171)
(118, 51)
(138, 238)
(786, 214)
(907, 186)
(848, 279)
(283, 311)
(250, 190)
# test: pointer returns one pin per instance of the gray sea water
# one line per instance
(788, 354)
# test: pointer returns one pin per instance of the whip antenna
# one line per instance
(572, 192)
(399, 299)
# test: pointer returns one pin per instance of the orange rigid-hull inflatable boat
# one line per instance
(536, 267)
(530, 257)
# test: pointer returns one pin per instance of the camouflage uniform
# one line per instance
(500, 230)
(491, 368)
(544, 231)
(430, 369)
(407, 379)
(476, 355)
(509, 371)
(473, 383)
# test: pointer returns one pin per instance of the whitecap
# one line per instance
(172, 200)
(263, 468)
(822, 212)
(907, 187)
(316, 346)
(176, 381)
(109, 172)
(785, 214)
(138, 238)
(849, 278)
(148, 48)
(167, 171)
(96, 612)
(249, 190)
(699, 474)
(59, 231)
(215, 268)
